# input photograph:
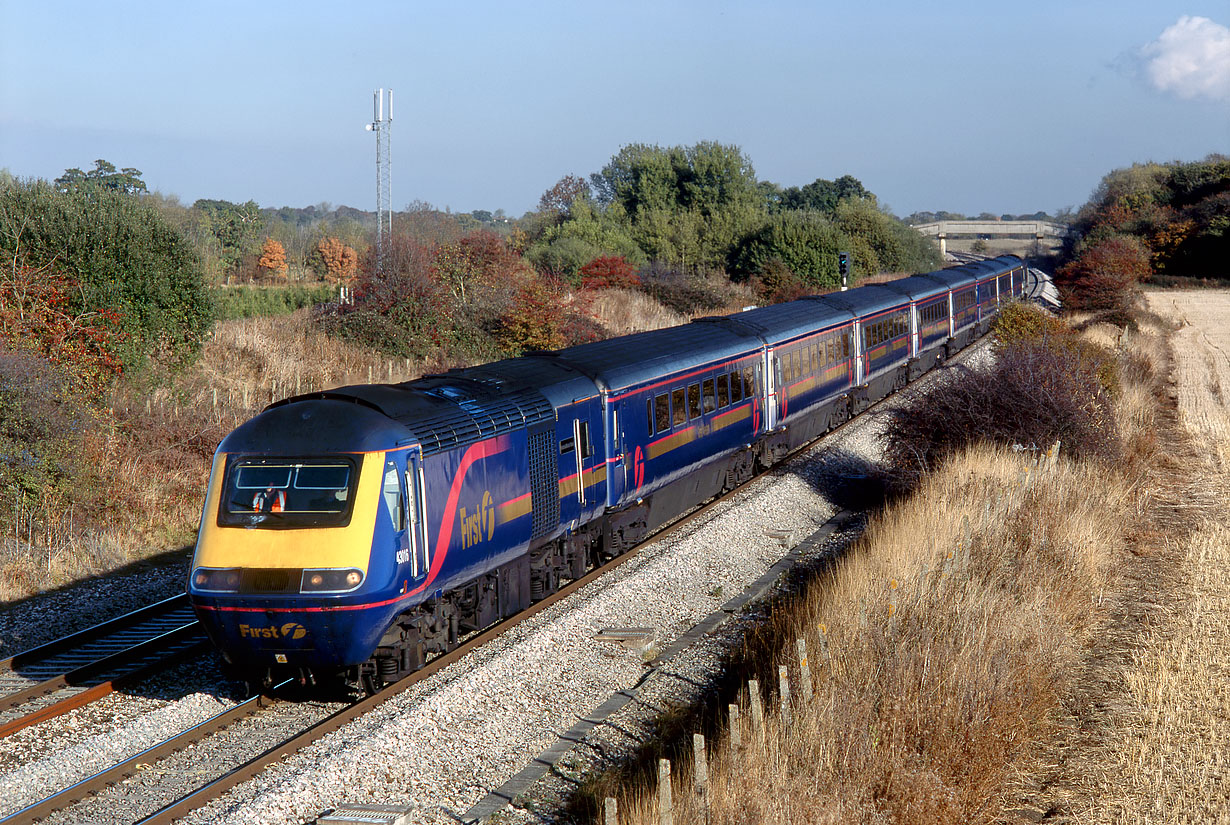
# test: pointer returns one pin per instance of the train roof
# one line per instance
(782, 322)
(321, 424)
(454, 409)
(619, 363)
(863, 300)
(917, 287)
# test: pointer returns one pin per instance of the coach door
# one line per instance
(768, 371)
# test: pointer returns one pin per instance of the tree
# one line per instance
(559, 198)
(123, 256)
(272, 262)
(103, 176)
(807, 243)
(824, 195)
(339, 262)
(1105, 275)
(235, 227)
(687, 205)
(609, 272)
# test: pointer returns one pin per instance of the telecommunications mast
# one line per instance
(383, 127)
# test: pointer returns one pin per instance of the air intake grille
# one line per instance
(544, 481)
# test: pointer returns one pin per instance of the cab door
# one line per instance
(419, 560)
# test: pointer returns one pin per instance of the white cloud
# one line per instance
(1191, 59)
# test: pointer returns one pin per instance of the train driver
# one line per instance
(269, 500)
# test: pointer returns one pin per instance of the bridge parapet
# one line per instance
(1038, 229)
(946, 229)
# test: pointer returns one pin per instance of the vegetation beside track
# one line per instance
(963, 647)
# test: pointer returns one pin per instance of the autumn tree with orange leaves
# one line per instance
(340, 262)
(272, 263)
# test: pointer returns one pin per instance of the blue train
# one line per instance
(359, 530)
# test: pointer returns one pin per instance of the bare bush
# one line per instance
(1037, 393)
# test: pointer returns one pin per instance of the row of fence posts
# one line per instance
(954, 562)
(756, 715)
(246, 396)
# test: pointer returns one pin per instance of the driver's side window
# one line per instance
(394, 500)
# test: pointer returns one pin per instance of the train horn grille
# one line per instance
(274, 580)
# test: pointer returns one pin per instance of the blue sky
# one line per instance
(965, 106)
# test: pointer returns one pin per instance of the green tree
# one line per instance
(807, 243)
(685, 205)
(824, 195)
(236, 228)
(125, 257)
(104, 175)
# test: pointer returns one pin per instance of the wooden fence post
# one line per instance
(805, 684)
(753, 700)
(665, 816)
(736, 732)
(610, 811)
(783, 687)
(701, 772)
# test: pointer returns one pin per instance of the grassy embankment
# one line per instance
(961, 648)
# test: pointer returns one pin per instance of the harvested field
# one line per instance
(1167, 759)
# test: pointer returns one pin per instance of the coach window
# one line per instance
(723, 390)
(693, 401)
(649, 414)
(679, 414)
(662, 412)
(708, 398)
(736, 387)
(749, 382)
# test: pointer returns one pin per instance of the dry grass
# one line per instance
(961, 650)
(941, 648)
(624, 311)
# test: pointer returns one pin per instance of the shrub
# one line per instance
(36, 317)
(124, 256)
(41, 419)
(254, 302)
(1041, 390)
(689, 293)
(563, 257)
(777, 283)
(1019, 322)
(1105, 275)
(609, 272)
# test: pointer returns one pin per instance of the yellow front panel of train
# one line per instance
(348, 546)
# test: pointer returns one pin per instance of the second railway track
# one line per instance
(65, 674)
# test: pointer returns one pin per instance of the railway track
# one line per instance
(68, 673)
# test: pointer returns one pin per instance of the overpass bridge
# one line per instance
(1030, 229)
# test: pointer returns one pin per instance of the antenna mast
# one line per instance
(382, 125)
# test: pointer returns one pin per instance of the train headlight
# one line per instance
(330, 580)
(216, 580)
